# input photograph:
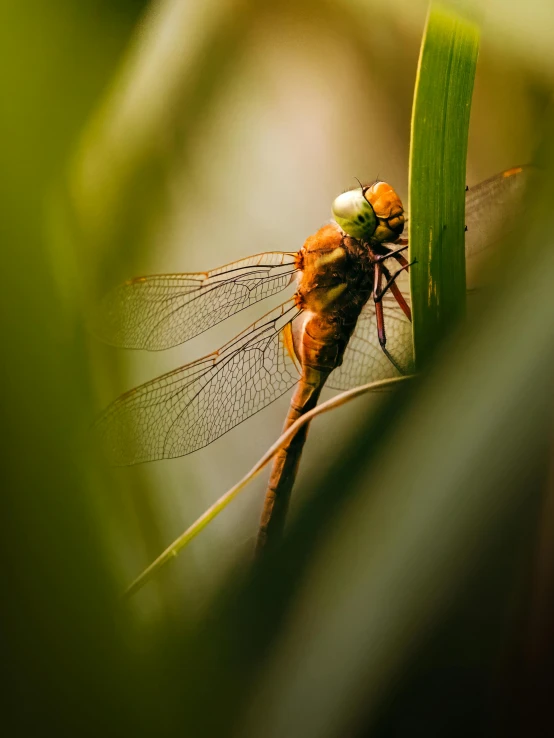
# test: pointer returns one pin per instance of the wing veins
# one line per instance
(229, 305)
(246, 348)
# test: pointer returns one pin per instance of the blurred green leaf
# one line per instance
(179, 60)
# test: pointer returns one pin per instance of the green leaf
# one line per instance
(440, 122)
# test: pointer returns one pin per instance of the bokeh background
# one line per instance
(169, 136)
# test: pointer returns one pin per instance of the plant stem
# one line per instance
(213, 511)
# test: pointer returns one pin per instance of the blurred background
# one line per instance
(174, 136)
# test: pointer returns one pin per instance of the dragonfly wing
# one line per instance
(364, 360)
(188, 408)
(494, 207)
(164, 310)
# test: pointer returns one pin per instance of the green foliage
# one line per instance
(440, 123)
(396, 603)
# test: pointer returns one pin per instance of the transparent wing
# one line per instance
(190, 407)
(164, 310)
(494, 207)
(364, 360)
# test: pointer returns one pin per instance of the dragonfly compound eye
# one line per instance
(388, 209)
(355, 214)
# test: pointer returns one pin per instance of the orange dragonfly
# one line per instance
(351, 305)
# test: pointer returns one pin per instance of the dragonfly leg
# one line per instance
(379, 295)
(399, 297)
(401, 260)
(377, 279)
(377, 298)
(392, 252)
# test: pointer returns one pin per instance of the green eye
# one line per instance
(354, 214)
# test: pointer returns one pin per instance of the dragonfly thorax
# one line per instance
(335, 281)
(336, 274)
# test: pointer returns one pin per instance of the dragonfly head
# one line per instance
(370, 212)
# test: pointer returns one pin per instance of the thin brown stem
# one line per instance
(212, 512)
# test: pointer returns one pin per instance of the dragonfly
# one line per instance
(347, 323)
